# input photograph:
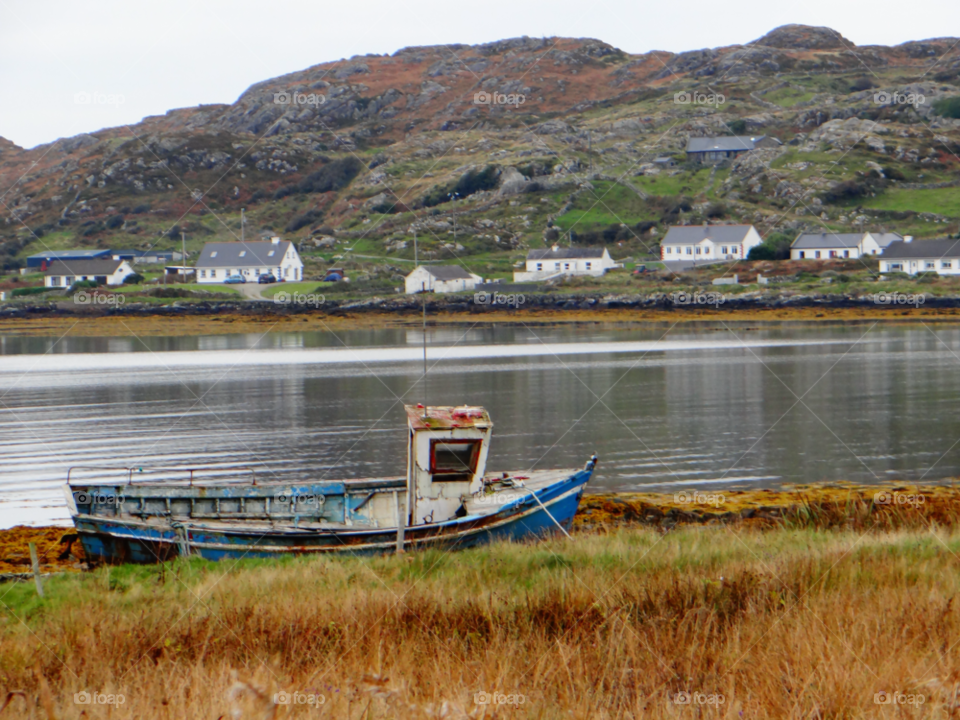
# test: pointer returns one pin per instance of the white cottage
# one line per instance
(922, 256)
(840, 246)
(440, 279)
(545, 264)
(250, 259)
(708, 243)
(64, 273)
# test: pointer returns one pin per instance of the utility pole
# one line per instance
(183, 255)
(241, 224)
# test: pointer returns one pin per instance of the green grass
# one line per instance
(301, 287)
(943, 201)
(788, 96)
(684, 183)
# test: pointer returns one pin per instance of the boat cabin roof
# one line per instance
(447, 418)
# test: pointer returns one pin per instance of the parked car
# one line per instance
(266, 279)
(235, 280)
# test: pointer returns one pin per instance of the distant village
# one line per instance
(271, 259)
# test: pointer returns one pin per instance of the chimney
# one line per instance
(908, 238)
(275, 240)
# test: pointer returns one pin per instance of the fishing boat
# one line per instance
(446, 500)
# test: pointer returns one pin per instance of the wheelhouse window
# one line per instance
(453, 460)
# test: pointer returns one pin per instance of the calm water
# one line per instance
(710, 406)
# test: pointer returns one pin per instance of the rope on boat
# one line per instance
(519, 484)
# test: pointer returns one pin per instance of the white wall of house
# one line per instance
(65, 281)
(546, 268)
(422, 280)
(824, 253)
(708, 249)
(912, 266)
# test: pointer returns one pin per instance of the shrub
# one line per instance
(133, 279)
(19, 292)
(140, 209)
(948, 107)
(114, 221)
(307, 218)
(335, 175)
(738, 126)
(762, 252)
(82, 284)
(861, 84)
(469, 183)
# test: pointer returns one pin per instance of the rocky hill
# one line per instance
(487, 150)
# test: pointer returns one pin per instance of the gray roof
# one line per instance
(568, 253)
(726, 143)
(827, 240)
(255, 253)
(923, 249)
(70, 254)
(105, 266)
(447, 272)
(692, 234)
(884, 239)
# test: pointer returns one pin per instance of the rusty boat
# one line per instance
(446, 500)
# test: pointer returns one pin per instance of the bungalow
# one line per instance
(939, 256)
(63, 274)
(556, 261)
(708, 243)
(149, 257)
(251, 259)
(839, 246)
(440, 279)
(718, 149)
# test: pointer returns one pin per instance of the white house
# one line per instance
(939, 256)
(251, 259)
(708, 243)
(440, 279)
(545, 264)
(840, 246)
(64, 273)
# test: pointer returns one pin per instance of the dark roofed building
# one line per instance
(718, 149)
(41, 260)
(220, 260)
(694, 244)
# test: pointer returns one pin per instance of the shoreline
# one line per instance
(822, 505)
(205, 319)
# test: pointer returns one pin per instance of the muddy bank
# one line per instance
(838, 506)
(260, 317)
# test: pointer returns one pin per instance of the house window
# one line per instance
(566, 266)
(816, 254)
(286, 272)
(723, 250)
(588, 266)
(689, 251)
(69, 280)
(946, 264)
(800, 256)
(669, 250)
(931, 266)
(556, 266)
(896, 266)
(54, 280)
(833, 253)
(698, 249)
(846, 253)
(539, 266)
(213, 254)
(203, 273)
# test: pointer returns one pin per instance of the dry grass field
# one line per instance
(838, 608)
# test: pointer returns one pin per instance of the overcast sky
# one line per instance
(68, 67)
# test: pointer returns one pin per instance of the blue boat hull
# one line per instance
(129, 541)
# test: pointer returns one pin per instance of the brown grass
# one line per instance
(780, 621)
